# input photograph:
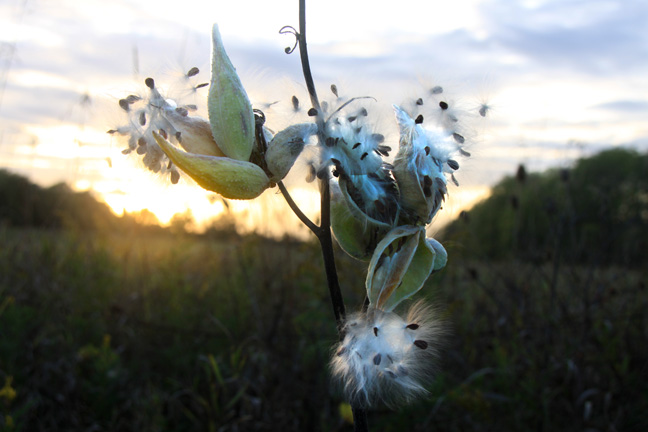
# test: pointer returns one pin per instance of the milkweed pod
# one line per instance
(194, 134)
(418, 169)
(441, 257)
(356, 234)
(285, 147)
(399, 267)
(230, 112)
(228, 177)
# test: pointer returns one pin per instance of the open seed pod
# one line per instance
(400, 265)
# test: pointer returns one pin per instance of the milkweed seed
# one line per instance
(150, 83)
(421, 344)
(443, 105)
(175, 177)
(413, 326)
(377, 358)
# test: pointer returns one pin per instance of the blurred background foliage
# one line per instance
(114, 324)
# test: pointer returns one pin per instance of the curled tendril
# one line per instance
(290, 30)
(259, 116)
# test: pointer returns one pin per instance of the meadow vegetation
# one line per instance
(107, 325)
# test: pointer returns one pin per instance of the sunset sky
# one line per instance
(563, 78)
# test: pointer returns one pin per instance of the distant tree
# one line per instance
(595, 212)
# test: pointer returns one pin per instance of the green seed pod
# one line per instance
(230, 178)
(400, 265)
(230, 112)
(285, 147)
(356, 234)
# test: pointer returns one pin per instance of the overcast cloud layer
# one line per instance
(563, 78)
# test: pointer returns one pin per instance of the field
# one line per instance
(165, 332)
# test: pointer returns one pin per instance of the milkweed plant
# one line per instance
(377, 198)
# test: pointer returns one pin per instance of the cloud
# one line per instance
(625, 106)
(592, 38)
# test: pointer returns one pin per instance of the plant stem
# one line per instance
(323, 232)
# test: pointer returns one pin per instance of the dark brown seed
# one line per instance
(150, 83)
(178, 136)
(191, 107)
(175, 177)
(483, 110)
(443, 105)
(112, 131)
(436, 90)
(356, 145)
(459, 138)
(182, 111)
(141, 141)
(421, 344)
(312, 112)
(133, 98)
(142, 118)
(427, 181)
(419, 101)
(427, 151)
(377, 358)
(334, 90)
(351, 119)
(375, 331)
(413, 326)
(419, 119)
(141, 150)
(454, 180)
(126, 151)
(201, 85)
(163, 133)
(123, 103)
(363, 112)
(464, 152)
(453, 164)
(193, 71)
(364, 155)
(384, 150)
(295, 103)
(427, 191)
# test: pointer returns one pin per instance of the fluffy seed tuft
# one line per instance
(385, 359)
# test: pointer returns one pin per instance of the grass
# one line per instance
(168, 332)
